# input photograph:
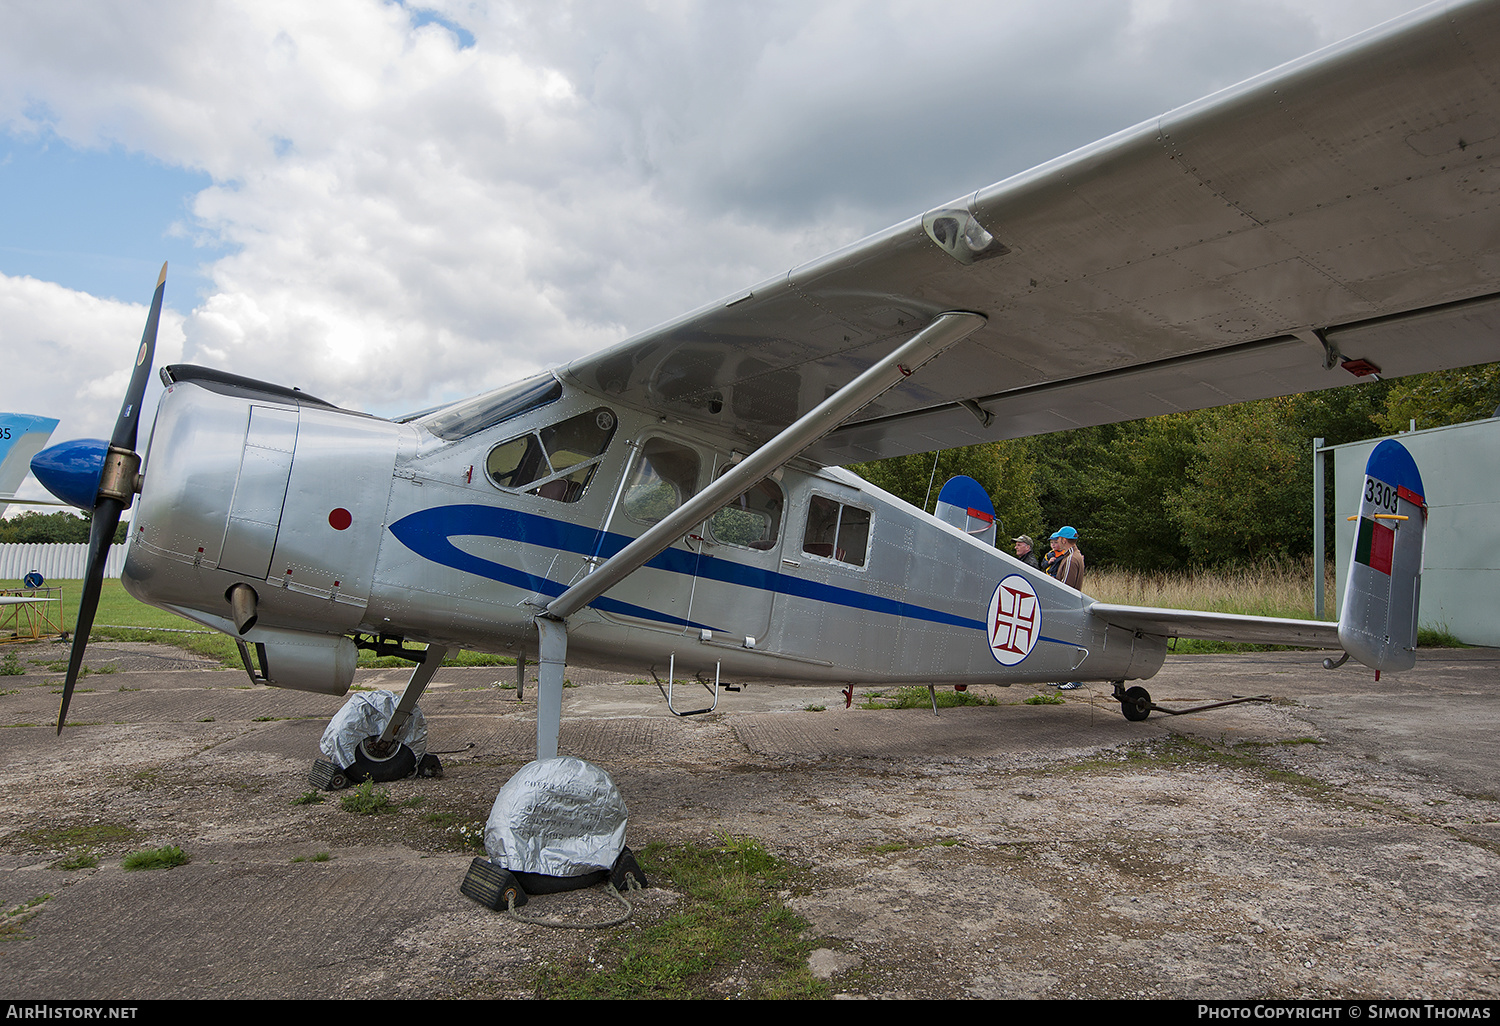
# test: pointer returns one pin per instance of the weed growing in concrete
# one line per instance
(1437, 636)
(364, 800)
(78, 860)
(729, 923)
(309, 798)
(918, 697)
(15, 916)
(168, 856)
(86, 836)
(1044, 699)
(470, 834)
(11, 666)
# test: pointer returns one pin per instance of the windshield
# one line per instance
(464, 418)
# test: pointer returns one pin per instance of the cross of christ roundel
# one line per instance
(1014, 621)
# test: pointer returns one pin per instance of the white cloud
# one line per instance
(412, 219)
(78, 352)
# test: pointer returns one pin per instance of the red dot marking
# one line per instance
(340, 519)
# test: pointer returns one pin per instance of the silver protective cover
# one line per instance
(367, 713)
(558, 817)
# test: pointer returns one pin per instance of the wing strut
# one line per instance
(945, 330)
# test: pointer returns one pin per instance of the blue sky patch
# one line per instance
(99, 221)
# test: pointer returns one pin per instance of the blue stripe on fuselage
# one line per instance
(428, 533)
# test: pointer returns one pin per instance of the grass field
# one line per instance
(1272, 589)
(122, 618)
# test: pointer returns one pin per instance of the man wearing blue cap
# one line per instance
(1067, 562)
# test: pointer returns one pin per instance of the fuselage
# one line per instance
(456, 528)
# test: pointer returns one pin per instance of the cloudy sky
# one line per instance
(392, 205)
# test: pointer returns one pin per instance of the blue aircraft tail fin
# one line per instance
(965, 504)
(21, 437)
(1378, 621)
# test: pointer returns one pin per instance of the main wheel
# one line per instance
(397, 765)
(1136, 705)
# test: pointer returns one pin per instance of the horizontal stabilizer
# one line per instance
(1191, 623)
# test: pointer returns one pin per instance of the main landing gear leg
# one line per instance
(385, 758)
(380, 757)
(552, 665)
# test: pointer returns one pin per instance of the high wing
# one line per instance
(1190, 623)
(1331, 218)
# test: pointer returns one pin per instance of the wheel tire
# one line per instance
(1136, 705)
(399, 765)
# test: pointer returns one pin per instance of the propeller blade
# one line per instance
(101, 534)
(107, 508)
(130, 409)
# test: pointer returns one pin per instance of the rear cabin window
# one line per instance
(837, 531)
(557, 461)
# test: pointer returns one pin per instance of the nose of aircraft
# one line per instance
(71, 470)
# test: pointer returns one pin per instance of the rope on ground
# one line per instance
(151, 630)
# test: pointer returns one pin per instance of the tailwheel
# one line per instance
(382, 762)
(1135, 704)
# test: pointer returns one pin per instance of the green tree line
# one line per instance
(33, 528)
(1225, 486)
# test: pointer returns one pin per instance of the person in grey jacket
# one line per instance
(1024, 551)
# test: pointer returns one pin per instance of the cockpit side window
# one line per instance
(665, 476)
(559, 460)
(837, 531)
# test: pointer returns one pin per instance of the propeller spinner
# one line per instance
(102, 476)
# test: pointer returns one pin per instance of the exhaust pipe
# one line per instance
(242, 607)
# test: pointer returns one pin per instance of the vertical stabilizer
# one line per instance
(21, 437)
(1378, 622)
(965, 504)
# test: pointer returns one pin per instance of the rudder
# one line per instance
(1378, 621)
(965, 504)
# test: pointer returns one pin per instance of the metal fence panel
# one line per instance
(53, 560)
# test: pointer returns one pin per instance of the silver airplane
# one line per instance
(677, 501)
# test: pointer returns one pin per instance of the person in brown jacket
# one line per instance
(1068, 565)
